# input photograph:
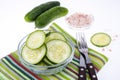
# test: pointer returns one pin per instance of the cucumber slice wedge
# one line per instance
(58, 50)
(35, 39)
(55, 35)
(100, 39)
(33, 56)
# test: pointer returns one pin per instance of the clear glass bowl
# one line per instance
(45, 69)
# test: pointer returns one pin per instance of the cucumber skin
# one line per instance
(50, 15)
(35, 12)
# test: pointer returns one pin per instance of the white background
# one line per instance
(107, 19)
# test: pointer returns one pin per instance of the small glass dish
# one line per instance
(79, 21)
(44, 68)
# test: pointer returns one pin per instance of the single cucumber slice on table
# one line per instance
(33, 56)
(35, 39)
(55, 35)
(58, 50)
(101, 39)
(38, 10)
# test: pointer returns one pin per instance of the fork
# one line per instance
(83, 49)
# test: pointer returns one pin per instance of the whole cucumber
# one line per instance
(50, 15)
(35, 12)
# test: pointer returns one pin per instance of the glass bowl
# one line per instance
(44, 68)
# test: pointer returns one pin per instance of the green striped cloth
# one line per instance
(12, 69)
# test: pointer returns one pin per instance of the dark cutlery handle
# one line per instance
(82, 73)
(91, 71)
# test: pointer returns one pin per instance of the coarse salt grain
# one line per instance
(79, 20)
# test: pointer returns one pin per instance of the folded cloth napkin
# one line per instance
(12, 69)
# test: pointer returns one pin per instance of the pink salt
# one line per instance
(79, 20)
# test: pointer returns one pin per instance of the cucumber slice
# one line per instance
(35, 39)
(55, 35)
(100, 39)
(33, 56)
(58, 50)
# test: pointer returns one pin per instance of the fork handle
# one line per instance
(82, 73)
(91, 71)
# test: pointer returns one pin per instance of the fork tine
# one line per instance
(77, 37)
(83, 41)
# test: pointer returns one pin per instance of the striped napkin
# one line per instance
(12, 69)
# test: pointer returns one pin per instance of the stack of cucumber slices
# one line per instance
(40, 44)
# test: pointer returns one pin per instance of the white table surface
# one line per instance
(107, 19)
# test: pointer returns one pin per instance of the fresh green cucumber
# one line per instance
(58, 50)
(33, 56)
(35, 12)
(55, 35)
(50, 15)
(35, 39)
(100, 39)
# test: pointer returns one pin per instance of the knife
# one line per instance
(90, 67)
